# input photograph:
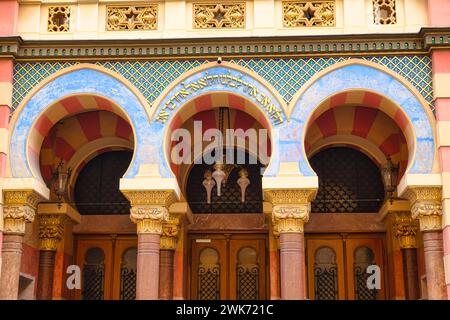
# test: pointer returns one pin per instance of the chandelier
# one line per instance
(221, 169)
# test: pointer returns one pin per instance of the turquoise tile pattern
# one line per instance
(287, 75)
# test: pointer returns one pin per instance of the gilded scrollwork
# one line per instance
(142, 17)
(405, 230)
(309, 13)
(19, 209)
(219, 16)
(51, 230)
(426, 206)
(384, 12)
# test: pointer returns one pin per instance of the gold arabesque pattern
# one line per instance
(58, 19)
(132, 17)
(287, 75)
(384, 12)
(309, 13)
(219, 16)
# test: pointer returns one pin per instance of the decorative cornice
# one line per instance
(51, 230)
(290, 196)
(405, 230)
(369, 44)
(150, 197)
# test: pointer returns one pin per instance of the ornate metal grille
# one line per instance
(93, 282)
(127, 284)
(230, 199)
(248, 286)
(362, 292)
(209, 282)
(97, 187)
(349, 181)
(128, 275)
(325, 280)
(363, 258)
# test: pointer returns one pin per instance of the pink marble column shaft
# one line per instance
(147, 278)
(292, 266)
(11, 259)
(434, 265)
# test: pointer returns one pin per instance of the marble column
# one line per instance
(149, 210)
(427, 208)
(290, 212)
(168, 245)
(18, 210)
(405, 230)
(51, 231)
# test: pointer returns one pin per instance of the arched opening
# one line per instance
(96, 147)
(349, 181)
(96, 189)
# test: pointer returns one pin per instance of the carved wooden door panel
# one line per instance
(337, 267)
(362, 253)
(228, 267)
(326, 277)
(108, 267)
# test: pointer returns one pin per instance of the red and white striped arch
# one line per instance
(368, 129)
(69, 106)
(79, 138)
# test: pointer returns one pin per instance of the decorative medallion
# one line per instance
(125, 18)
(384, 12)
(58, 19)
(309, 14)
(219, 16)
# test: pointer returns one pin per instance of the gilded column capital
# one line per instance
(149, 208)
(51, 230)
(291, 208)
(426, 206)
(405, 230)
(19, 209)
(169, 235)
(291, 218)
(149, 219)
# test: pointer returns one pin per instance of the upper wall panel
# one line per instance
(130, 19)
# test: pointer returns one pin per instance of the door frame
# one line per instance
(355, 235)
(223, 235)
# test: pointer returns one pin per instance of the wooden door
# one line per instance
(337, 266)
(326, 276)
(361, 253)
(108, 267)
(229, 266)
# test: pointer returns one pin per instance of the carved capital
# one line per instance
(405, 230)
(426, 206)
(291, 218)
(19, 209)
(170, 231)
(291, 208)
(51, 230)
(149, 219)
